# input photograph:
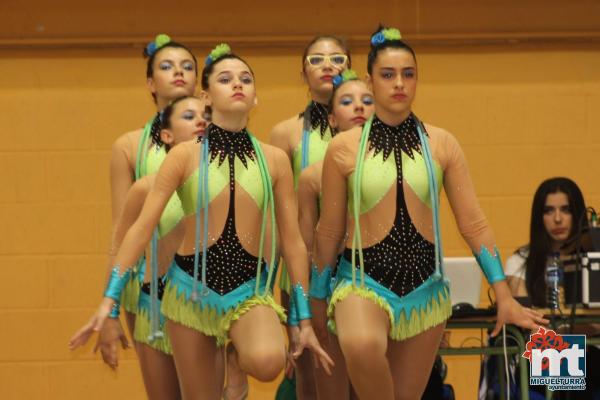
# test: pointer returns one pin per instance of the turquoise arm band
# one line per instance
(302, 303)
(115, 311)
(116, 283)
(320, 283)
(490, 265)
(293, 314)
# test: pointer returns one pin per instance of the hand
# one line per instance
(309, 340)
(95, 324)
(294, 340)
(511, 312)
(108, 339)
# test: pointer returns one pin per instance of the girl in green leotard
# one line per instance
(351, 105)
(181, 121)
(237, 196)
(380, 197)
(171, 72)
(304, 138)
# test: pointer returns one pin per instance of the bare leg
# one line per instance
(363, 335)
(199, 363)
(336, 386)
(259, 341)
(236, 386)
(158, 371)
(411, 361)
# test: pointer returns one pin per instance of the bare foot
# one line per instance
(236, 385)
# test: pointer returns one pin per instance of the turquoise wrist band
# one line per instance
(490, 265)
(293, 314)
(116, 283)
(302, 302)
(320, 283)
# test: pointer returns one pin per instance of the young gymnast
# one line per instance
(304, 138)
(380, 189)
(232, 188)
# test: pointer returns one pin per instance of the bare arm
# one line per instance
(331, 228)
(293, 248)
(470, 219)
(121, 174)
(308, 203)
(134, 201)
(169, 177)
(478, 234)
(280, 137)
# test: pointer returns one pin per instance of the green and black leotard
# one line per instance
(396, 235)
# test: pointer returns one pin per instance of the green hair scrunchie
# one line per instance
(347, 75)
(387, 34)
(219, 51)
(159, 41)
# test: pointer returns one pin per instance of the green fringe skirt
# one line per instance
(213, 314)
(423, 308)
(143, 326)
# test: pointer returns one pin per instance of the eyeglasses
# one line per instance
(336, 60)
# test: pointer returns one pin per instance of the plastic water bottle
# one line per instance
(553, 282)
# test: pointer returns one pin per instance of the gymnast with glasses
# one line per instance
(304, 138)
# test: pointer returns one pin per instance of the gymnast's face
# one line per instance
(558, 219)
(231, 87)
(352, 105)
(325, 59)
(394, 81)
(186, 122)
(174, 74)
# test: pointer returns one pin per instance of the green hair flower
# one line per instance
(161, 40)
(392, 34)
(385, 35)
(347, 75)
(158, 42)
(218, 52)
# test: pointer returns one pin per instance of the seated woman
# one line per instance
(557, 209)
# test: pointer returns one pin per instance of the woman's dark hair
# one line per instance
(340, 42)
(208, 69)
(540, 242)
(376, 48)
(165, 118)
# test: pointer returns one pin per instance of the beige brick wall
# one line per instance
(521, 114)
